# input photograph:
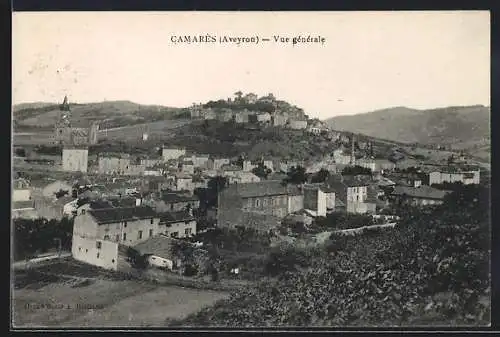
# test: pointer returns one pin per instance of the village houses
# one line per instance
(22, 203)
(173, 202)
(111, 163)
(353, 193)
(97, 233)
(297, 124)
(418, 196)
(217, 163)
(169, 153)
(451, 175)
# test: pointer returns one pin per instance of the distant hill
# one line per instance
(111, 113)
(462, 127)
(34, 105)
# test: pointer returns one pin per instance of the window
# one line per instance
(86, 250)
(124, 236)
(139, 235)
(79, 249)
(106, 237)
(97, 255)
(150, 233)
(113, 261)
(125, 224)
(98, 244)
(83, 211)
(187, 231)
(175, 234)
(257, 202)
(171, 207)
(117, 237)
(152, 221)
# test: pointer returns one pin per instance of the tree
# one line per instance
(356, 170)
(238, 95)
(296, 175)
(450, 159)
(61, 193)
(320, 176)
(261, 171)
(214, 186)
(33, 236)
(240, 160)
(20, 152)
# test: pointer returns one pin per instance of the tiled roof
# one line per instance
(277, 176)
(422, 192)
(263, 188)
(456, 169)
(175, 197)
(82, 182)
(123, 202)
(100, 204)
(339, 189)
(228, 167)
(64, 200)
(80, 132)
(171, 217)
(119, 214)
(88, 194)
(183, 176)
(163, 246)
(160, 245)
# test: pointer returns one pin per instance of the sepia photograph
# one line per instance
(250, 170)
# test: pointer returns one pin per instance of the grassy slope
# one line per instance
(117, 113)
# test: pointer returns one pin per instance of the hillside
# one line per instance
(111, 113)
(431, 270)
(461, 127)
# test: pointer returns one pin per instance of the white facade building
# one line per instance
(172, 153)
(75, 159)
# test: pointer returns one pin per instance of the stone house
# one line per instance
(217, 163)
(452, 175)
(75, 159)
(418, 196)
(353, 193)
(97, 233)
(173, 202)
(172, 153)
(114, 163)
(256, 205)
(179, 224)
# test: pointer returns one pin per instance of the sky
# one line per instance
(369, 61)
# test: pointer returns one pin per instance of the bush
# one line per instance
(435, 263)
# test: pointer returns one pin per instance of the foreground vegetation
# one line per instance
(432, 269)
(32, 237)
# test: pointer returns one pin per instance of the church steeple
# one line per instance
(65, 105)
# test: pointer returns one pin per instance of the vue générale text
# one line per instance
(240, 40)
